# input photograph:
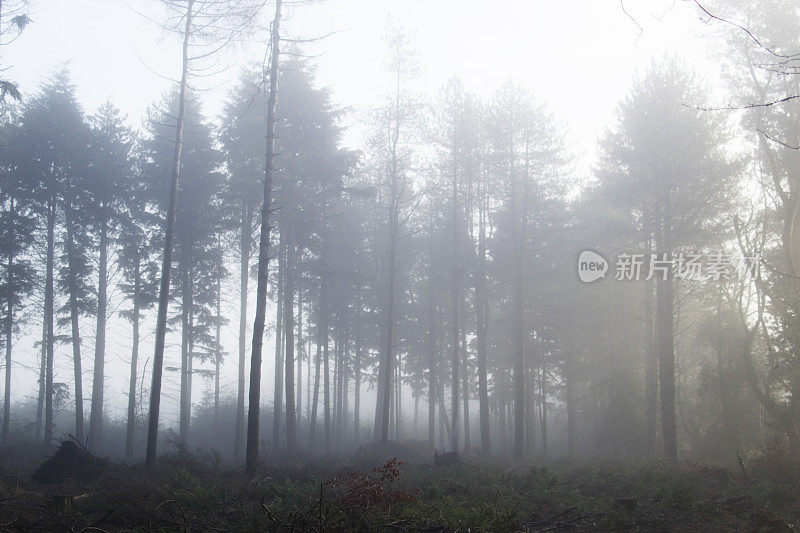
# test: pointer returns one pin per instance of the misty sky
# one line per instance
(578, 56)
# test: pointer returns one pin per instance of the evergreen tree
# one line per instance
(54, 138)
(17, 232)
(667, 162)
(196, 225)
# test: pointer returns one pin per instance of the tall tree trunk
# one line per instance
(96, 420)
(218, 338)
(384, 402)
(501, 422)
(432, 393)
(280, 337)
(339, 379)
(73, 317)
(326, 387)
(49, 298)
(441, 430)
(398, 391)
(166, 265)
(131, 425)
(465, 383)
(336, 374)
(42, 380)
(190, 358)
(378, 417)
(315, 400)
(393, 408)
(456, 338)
(300, 353)
(307, 351)
(519, 344)
(443, 416)
(291, 415)
(357, 370)
(666, 346)
(569, 384)
(244, 278)
(345, 398)
(186, 335)
(543, 403)
(9, 327)
(482, 315)
(531, 404)
(251, 458)
(416, 414)
(651, 370)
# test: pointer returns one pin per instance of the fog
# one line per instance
(512, 229)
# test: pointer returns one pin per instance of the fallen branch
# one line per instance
(183, 515)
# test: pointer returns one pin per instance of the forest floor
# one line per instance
(192, 493)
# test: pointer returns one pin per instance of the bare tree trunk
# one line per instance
(131, 424)
(519, 345)
(531, 405)
(49, 298)
(378, 418)
(280, 336)
(75, 329)
(244, 278)
(357, 370)
(288, 298)
(251, 459)
(465, 383)
(543, 404)
(666, 346)
(190, 359)
(443, 416)
(9, 329)
(416, 414)
(334, 392)
(186, 335)
(300, 353)
(357, 396)
(307, 351)
(315, 401)
(98, 388)
(326, 388)
(441, 430)
(9, 326)
(398, 386)
(569, 384)
(42, 380)
(393, 410)
(339, 381)
(432, 393)
(218, 340)
(384, 402)
(456, 338)
(501, 419)
(166, 265)
(651, 370)
(482, 312)
(345, 398)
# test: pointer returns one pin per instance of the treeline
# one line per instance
(435, 265)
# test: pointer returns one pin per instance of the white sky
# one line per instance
(579, 56)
